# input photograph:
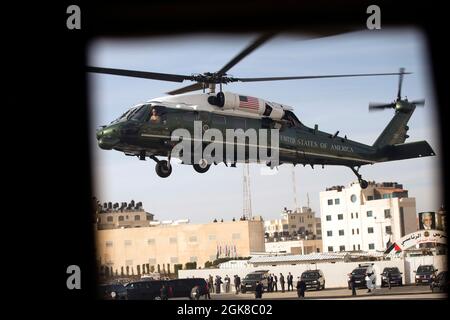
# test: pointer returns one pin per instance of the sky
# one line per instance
(333, 104)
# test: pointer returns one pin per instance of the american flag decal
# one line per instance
(248, 103)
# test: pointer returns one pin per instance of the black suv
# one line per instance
(183, 287)
(114, 291)
(314, 279)
(440, 282)
(249, 282)
(392, 276)
(360, 275)
(425, 274)
(147, 289)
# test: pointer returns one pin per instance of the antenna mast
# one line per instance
(295, 188)
(247, 208)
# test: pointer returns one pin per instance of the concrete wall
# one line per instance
(335, 273)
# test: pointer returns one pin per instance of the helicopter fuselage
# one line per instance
(136, 135)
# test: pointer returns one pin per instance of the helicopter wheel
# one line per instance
(202, 166)
(363, 184)
(163, 169)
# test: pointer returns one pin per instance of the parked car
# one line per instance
(391, 275)
(360, 275)
(249, 282)
(440, 282)
(183, 287)
(314, 279)
(112, 291)
(425, 274)
(147, 289)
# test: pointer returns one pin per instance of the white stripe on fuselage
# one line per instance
(280, 149)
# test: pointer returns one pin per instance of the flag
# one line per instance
(248, 103)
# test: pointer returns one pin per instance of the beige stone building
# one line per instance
(171, 244)
(300, 222)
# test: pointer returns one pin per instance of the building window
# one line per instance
(356, 215)
(310, 225)
(193, 239)
(336, 201)
(109, 219)
(369, 214)
(371, 246)
(193, 259)
(328, 218)
(341, 248)
(353, 231)
(128, 242)
(354, 247)
(237, 236)
(212, 237)
(357, 230)
(128, 262)
(359, 247)
(149, 217)
(387, 213)
(370, 230)
(369, 198)
(152, 261)
(402, 222)
(293, 226)
(329, 233)
(330, 202)
(151, 241)
(137, 218)
(292, 217)
(353, 198)
(120, 218)
(341, 232)
(173, 240)
(109, 243)
(330, 249)
(340, 217)
(351, 215)
(388, 230)
(174, 260)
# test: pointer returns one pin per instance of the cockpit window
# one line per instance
(140, 114)
(125, 115)
(157, 114)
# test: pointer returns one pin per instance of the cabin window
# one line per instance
(220, 120)
(239, 123)
(158, 114)
(189, 116)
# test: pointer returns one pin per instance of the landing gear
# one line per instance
(363, 183)
(202, 166)
(163, 168)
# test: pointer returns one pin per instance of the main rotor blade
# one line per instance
(380, 106)
(244, 53)
(317, 77)
(400, 81)
(418, 102)
(141, 74)
(192, 87)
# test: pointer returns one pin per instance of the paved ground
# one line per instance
(403, 292)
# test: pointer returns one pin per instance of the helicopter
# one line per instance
(147, 130)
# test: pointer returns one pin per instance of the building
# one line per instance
(294, 246)
(300, 223)
(365, 219)
(161, 246)
(113, 216)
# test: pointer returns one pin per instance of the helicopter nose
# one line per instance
(107, 138)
